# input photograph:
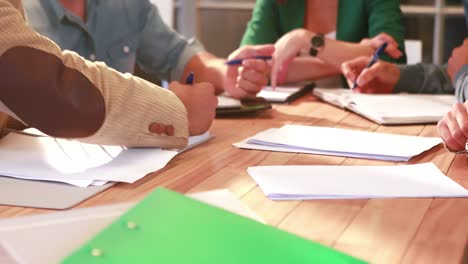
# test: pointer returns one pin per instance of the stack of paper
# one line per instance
(353, 182)
(390, 108)
(79, 164)
(339, 142)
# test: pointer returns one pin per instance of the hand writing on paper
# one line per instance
(200, 102)
(458, 59)
(453, 128)
(247, 79)
(379, 78)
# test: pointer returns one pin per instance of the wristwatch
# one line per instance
(317, 43)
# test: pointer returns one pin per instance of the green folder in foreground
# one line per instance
(167, 227)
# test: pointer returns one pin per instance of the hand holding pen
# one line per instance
(247, 70)
(371, 75)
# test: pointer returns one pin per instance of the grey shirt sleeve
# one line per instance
(461, 84)
(424, 78)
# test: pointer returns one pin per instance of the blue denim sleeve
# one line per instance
(424, 78)
(162, 52)
(461, 84)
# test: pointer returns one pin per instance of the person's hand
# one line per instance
(200, 101)
(380, 78)
(377, 41)
(286, 49)
(248, 79)
(458, 59)
(453, 128)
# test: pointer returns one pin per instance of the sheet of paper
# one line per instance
(49, 159)
(64, 231)
(348, 182)
(45, 158)
(344, 142)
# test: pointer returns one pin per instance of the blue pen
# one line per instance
(239, 61)
(189, 80)
(374, 59)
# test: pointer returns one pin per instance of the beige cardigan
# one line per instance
(63, 95)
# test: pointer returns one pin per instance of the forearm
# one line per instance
(64, 95)
(461, 84)
(424, 78)
(337, 52)
(207, 68)
(306, 69)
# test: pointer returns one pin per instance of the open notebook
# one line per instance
(390, 109)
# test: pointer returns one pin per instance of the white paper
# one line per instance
(391, 108)
(341, 142)
(349, 182)
(67, 161)
(45, 158)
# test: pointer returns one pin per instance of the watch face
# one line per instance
(317, 41)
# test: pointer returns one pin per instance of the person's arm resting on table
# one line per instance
(64, 95)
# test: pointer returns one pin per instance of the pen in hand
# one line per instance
(190, 78)
(374, 59)
(239, 61)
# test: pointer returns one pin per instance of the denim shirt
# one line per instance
(121, 33)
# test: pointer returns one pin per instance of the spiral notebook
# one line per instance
(390, 109)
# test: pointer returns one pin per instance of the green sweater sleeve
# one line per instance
(385, 16)
(263, 27)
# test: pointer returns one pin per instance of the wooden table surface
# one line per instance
(377, 230)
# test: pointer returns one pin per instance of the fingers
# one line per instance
(392, 48)
(275, 70)
(453, 128)
(446, 136)
(252, 51)
(351, 69)
(393, 51)
(256, 74)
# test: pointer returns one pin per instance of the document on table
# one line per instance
(339, 142)
(390, 108)
(354, 182)
(79, 164)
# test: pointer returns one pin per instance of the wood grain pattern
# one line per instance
(378, 230)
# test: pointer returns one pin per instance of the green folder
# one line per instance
(167, 227)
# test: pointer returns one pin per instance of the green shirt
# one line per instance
(356, 19)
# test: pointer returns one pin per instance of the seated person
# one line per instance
(346, 21)
(63, 95)
(384, 77)
(125, 33)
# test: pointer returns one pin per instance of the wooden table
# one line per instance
(377, 230)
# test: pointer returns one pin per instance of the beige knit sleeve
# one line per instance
(129, 104)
